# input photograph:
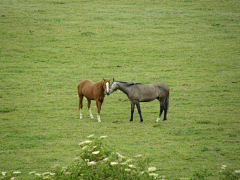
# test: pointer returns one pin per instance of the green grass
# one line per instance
(48, 47)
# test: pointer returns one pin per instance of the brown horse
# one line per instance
(93, 91)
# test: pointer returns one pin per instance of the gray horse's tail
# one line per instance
(167, 102)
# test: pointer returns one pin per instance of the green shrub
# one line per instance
(97, 161)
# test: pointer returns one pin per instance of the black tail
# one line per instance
(167, 102)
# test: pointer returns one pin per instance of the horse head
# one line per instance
(113, 87)
(106, 85)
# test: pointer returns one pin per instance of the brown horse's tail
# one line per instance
(79, 94)
(167, 102)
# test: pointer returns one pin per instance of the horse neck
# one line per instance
(123, 88)
(100, 85)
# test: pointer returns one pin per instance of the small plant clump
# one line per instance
(224, 174)
(229, 174)
(10, 175)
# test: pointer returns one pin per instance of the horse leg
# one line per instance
(89, 108)
(139, 111)
(161, 110)
(80, 105)
(98, 103)
(132, 110)
(166, 107)
(165, 114)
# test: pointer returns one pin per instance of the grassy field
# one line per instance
(48, 47)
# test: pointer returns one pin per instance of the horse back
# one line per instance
(148, 92)
(85, 88)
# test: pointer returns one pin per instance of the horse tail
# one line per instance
(79, 87)
(167, 102)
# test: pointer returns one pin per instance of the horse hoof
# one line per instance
(141, 121)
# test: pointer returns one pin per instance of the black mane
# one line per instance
(128, 83)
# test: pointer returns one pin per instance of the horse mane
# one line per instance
(129, 83)
(99, 83)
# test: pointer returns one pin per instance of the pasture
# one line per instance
(48, 47)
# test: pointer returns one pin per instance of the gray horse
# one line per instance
(138, 92)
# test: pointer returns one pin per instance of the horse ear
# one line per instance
(113, 80)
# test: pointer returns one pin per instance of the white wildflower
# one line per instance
(223, 167)
(84, 147)
(153, 174)
(105, 159)
(91, 163)
(16, 172)
(237, 171)
(151, 169)
(86, 160)
(32, 172)
(38, 174)
(139, 155)
(84, 142)
(127, 161)
(90, 135)
(119, 155)
(46, 173)
(52, 174)
(81, 143)
(103, 137)
(128, 169)
(13, 178)
(113, 163)
(95, 152)
(131, 166)
(47, 177)
(4, 173)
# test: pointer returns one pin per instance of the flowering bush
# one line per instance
(10, 175)
(97, 161)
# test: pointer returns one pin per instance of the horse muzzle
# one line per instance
(107, 88)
